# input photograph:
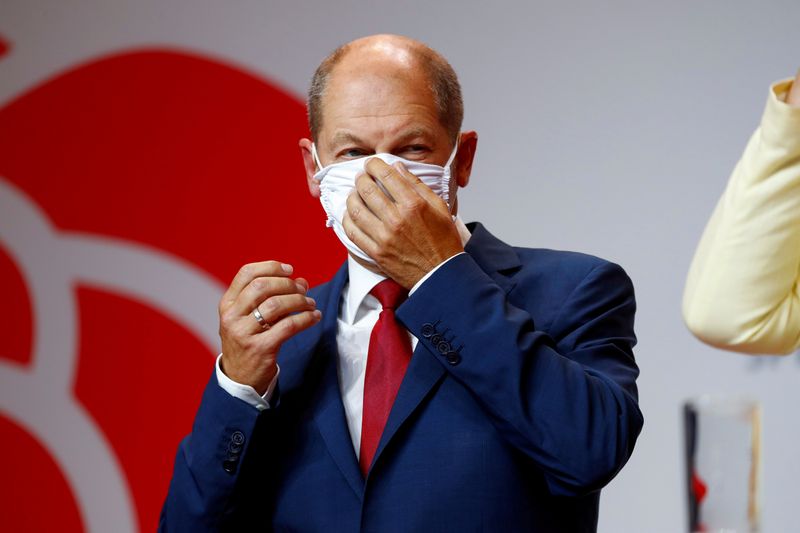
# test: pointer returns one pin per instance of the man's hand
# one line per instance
(793, 98)
(248, 349)
(407, 234)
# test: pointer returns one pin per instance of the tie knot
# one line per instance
(389, 293)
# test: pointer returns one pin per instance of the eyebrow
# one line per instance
(345, 137)
(415, 132)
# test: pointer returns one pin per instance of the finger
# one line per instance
(397, 186)
(251, 271)
(360, 214)
(260, 289)
(274, 308)
(303, 282)
(288, 326)
(418, 185)
(374, 198)
(357, 235)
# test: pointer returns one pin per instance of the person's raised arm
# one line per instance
(742, 291)
(207, 465)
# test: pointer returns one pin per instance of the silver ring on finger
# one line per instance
(260, 319)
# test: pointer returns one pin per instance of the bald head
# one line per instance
(395, 56)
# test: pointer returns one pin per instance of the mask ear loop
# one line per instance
(447, 175)
(452, 157)
(324, 198)
(315, 156)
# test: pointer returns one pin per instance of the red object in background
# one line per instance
(4, 46)
(29, 472)
(700, 490)
(16, 328)
(177, 153)
(699, 487)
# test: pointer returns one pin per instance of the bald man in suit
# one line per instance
(515, 401)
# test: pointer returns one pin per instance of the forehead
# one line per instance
(377, 99)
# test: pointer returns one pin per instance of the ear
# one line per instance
(310, 167)
(466, 154)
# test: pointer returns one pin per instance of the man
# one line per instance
(519, 402)
(741, 293)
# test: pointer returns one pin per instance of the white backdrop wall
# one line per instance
(605, 127)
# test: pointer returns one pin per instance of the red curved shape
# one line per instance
(16, 327)
(174, 152)
(34, 496)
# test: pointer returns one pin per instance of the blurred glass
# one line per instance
(723, 464)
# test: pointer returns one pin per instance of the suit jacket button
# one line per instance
(436, 339)
(444, 347)
(428, 330)
(233, 449)
(237, 438)
(229, 466)
(453, 358)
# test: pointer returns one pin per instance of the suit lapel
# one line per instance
(496, 258)
(423, 373)
(331, 421)
(320, 377)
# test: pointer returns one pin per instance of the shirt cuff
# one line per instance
(246, 393)
(418, 284)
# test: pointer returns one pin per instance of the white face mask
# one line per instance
(338, 180)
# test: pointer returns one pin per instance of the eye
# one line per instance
(415, 151)
(351, 153)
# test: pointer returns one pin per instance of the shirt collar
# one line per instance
(463, 231)
(362, 280)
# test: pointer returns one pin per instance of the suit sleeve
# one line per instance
(202, 493)
(742, 289)
(565, 397)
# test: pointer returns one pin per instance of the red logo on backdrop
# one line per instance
(132, 188)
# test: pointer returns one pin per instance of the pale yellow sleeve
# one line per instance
(742, 289)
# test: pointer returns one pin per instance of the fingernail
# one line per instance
(317, 314)
(300, 287)
(311, 301)
(287, 268)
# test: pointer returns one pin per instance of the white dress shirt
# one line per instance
(358, 313)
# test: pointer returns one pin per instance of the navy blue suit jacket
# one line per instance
(518, 405)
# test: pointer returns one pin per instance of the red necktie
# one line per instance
(387, 360)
